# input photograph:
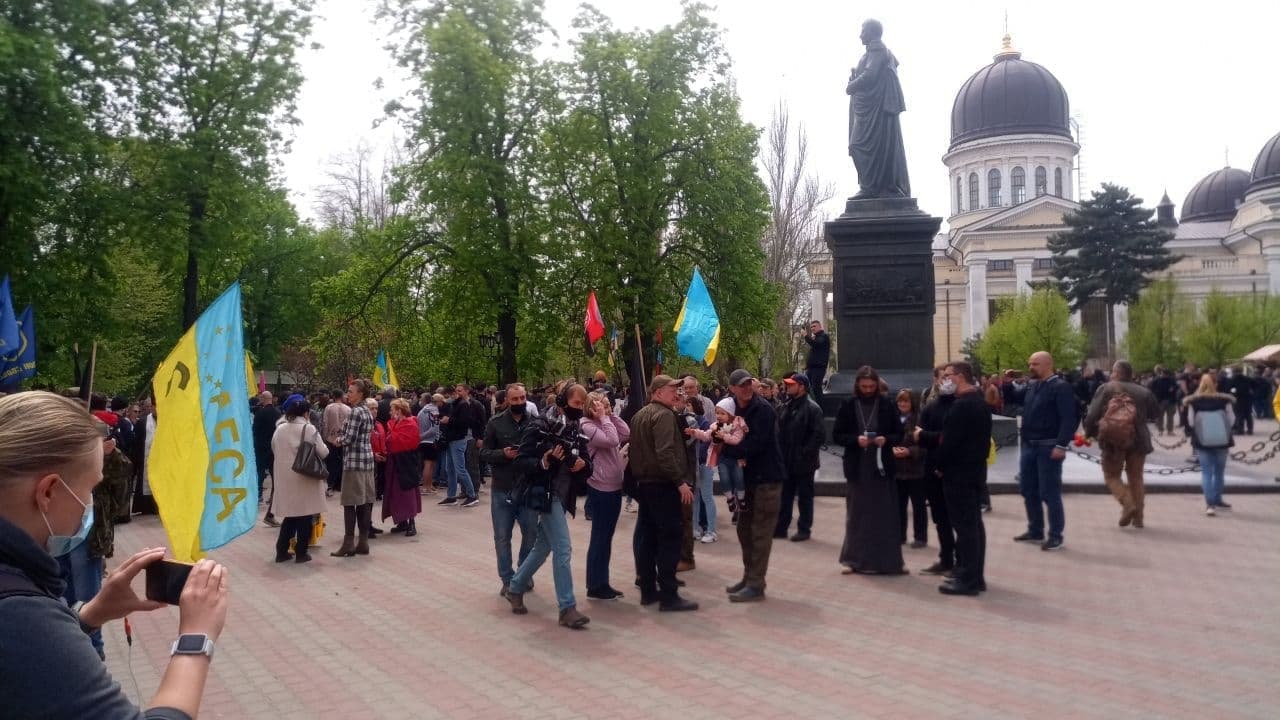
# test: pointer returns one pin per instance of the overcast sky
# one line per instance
(1162, 96)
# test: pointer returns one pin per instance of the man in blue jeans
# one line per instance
(1049, 420)
(502, 436)
(464, 419)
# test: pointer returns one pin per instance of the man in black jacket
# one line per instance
(1049, 420)
(932, 418)
(800, 434)
(264, 428)
(819, 357)
(961, 459)
(762, 472)
(502, 437)
(465, 418)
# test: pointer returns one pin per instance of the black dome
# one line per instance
(1266, 168)
(1009, 96)
(1216, 196)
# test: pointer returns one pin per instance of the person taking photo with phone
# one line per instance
(51, 457)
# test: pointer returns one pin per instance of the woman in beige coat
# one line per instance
(297, 497)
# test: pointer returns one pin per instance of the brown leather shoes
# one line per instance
(1128, 515)
(573, 619)
(517, 602)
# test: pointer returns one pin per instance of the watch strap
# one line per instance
(206, 647)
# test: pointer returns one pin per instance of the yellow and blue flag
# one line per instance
(698, 326)
(21, 363)
(384, 373)
(202, 467)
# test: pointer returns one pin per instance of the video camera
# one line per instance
(563, 433)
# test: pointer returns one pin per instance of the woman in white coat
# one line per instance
(297, 497)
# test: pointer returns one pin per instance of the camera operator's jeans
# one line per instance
(84, 579)
(505, 516)
(456, 467)
(706, 483)
(553, 538)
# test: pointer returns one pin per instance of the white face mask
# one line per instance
(947, 387)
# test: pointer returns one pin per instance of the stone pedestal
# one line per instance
(882, 266)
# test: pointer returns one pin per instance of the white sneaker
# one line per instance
(1209, 511)
(708, 538)
(697, 534)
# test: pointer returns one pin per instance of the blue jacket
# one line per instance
(1049, 415)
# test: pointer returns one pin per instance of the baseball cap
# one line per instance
(660, 381)
(739, 376)
(798, 379)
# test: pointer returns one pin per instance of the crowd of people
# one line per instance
(68, 477)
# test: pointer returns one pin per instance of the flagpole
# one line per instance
(644, 379)
(93, 369)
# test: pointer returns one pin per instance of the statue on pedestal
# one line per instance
(875, 133)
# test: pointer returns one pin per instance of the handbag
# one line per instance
(307, 461)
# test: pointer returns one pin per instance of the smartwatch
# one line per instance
(193, 645)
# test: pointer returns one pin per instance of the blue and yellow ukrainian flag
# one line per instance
(202, 468)
(698, 326)
(384, 373)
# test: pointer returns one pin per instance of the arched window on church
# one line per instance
(1018, 185)
(993, 188)
(973, 191)
(959, 195)
(1042, 181)
(1057, 182)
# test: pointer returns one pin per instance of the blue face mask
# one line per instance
(59, 545)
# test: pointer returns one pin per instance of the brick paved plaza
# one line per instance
(1181, 619)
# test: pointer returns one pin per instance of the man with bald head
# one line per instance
(1049, 420)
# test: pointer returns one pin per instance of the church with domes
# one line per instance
(1010, 172)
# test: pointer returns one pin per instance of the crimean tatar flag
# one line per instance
(202, 468)
(384, 373)
(698, 326)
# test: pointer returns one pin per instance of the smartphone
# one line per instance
(165, 580)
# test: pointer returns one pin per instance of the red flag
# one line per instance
(262, 381)
(592, 324)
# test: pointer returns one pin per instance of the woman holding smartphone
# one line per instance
(868, 427)
(50, 460)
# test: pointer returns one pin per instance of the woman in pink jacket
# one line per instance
(606, 433)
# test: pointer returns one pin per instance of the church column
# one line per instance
(1022, 268)
(977, 297)
(1120, 316)
(818, 305)
(1272, 257)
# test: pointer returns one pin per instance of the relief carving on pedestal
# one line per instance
(886, 288)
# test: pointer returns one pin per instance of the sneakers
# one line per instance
(271, 521)
(708, 538)
(697, 533)
(1209, 511)
(1052, 544)
(630, 506)
(448, 501)
(1027, 537)
(1223, 504)
(471, 502)
(747, 594)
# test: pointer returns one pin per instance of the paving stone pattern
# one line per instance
(1179, 620)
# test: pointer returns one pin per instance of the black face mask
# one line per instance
(516, 410)
(572, 414)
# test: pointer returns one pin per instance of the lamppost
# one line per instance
(491, 344)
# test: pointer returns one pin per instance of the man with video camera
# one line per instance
(554, 465)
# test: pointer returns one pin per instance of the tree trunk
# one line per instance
(196, 203)
(507, 347)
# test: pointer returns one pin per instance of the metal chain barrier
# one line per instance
(1194, 467)
(1243, 455)
(1185, 439)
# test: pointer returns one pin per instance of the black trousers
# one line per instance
(1244, 417)
(658, 536)
(333, 463)
(961, 488)
(294, 527)
(941, 519)
(799, 484)
(912, 489)
(815, 375)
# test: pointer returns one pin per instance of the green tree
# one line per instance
(1110, 251)
(1026, 324)
(1156, 324)
(1218, 333)
(476, 123)
(215, 81)
(652, 171)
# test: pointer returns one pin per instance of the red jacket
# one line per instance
(378, 440)
(401, 435)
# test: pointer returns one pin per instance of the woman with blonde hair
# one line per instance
(51, 456)
(1210, 415)
(400, 500)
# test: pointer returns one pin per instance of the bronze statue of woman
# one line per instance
(875, 134)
